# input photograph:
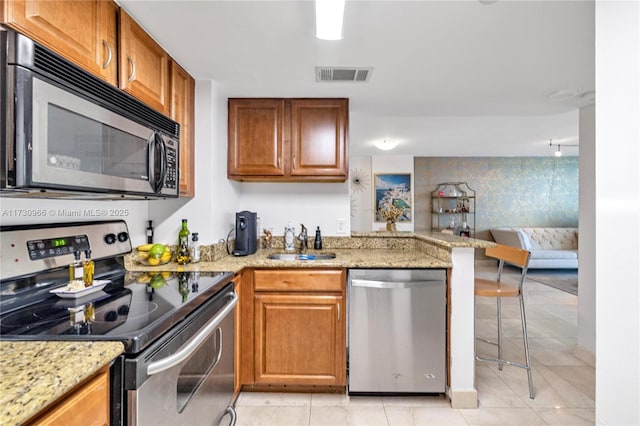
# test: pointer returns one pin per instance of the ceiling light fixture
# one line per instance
(558, 153)
(386, 144)
(329, 17)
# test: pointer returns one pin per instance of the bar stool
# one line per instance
(494, 288)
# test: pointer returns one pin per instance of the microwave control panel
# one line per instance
(171, 178)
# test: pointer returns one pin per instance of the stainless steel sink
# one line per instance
(298, 256)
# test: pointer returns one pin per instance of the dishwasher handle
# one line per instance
(186, 351)
(393, 284)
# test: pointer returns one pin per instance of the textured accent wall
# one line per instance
(510, 191)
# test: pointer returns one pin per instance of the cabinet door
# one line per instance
(319, 138)
(87, 405)
(182, 111)
(144, 66)
(256, 139)
(299, 339)
(83, 31)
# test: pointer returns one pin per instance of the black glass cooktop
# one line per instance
(135, 308)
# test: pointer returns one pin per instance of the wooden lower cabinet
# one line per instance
(299, 339)
(298, 333)
(88, 404)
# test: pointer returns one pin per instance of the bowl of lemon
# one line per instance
(154, 254)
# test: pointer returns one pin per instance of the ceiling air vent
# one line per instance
(358, 75)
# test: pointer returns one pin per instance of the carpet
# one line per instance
(566, 281)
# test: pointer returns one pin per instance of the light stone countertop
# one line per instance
(33, 374)
(361, 250)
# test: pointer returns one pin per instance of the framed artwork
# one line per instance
(392, 197)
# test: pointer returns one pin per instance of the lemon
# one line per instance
(153, 261)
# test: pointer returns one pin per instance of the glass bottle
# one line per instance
(183, 254)
(75, 268)
(195, 248)
(87, 269)
(184, 233)
(150, 233)
(317, 243)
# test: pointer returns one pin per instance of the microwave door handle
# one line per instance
(151, 161)
(163, 162)
(156, 180)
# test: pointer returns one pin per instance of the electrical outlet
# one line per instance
(341, 226)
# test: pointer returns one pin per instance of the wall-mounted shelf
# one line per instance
(453, 204)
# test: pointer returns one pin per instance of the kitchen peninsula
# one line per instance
(384, 250)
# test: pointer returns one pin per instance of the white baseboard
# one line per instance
(464, 398)
(585, 355)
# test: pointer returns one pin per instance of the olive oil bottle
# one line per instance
(183, 255)
(87, 269)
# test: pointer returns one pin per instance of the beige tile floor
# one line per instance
(565, 386)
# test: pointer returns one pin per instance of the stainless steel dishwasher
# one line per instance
(396, 331)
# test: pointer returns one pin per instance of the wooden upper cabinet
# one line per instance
(144, 66)
(182, 111)
(256, 138)
(83, 31)
(318, 137)
(294, 140)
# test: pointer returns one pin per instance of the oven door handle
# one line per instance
(186, 351)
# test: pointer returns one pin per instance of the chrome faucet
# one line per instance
(303, 239)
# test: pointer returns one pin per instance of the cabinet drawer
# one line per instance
(302, 280)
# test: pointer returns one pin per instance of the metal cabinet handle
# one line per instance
(132, 76)
(392, 284)
(185, 352)
(338, 311)
(109, 54)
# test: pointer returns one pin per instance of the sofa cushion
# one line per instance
(543, 238)
(554, 254)
(511, 237)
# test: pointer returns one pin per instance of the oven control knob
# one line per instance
(110, 238)
(123, 236)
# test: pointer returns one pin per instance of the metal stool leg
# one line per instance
(526, 346)
(499, 332)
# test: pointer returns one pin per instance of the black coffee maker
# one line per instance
(246, 233)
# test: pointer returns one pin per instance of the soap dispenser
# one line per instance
(317, 244)
(289, 238)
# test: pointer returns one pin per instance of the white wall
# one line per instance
(617, 250)
(586, 346)
(311, 204)
(361, 193)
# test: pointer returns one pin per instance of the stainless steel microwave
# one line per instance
(65, 131)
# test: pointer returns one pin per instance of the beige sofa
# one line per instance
(550, 248)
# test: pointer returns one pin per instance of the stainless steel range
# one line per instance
(177, 328)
